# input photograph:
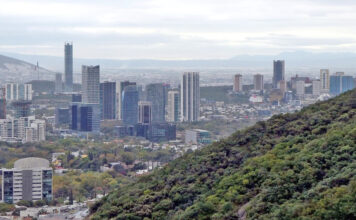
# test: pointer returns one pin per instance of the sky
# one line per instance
(176, 29)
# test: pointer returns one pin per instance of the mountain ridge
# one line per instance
(293, 166)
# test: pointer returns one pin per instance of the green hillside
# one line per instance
(293, 166)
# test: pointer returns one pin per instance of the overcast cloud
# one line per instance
(176, 29)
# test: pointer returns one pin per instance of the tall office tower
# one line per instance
(16, 91)
(173, 106)
(238, 83)
(340, 83)
(68, 67)
(258, 82)
(278, 72)
(316, 87)
(2, 103)
(324, 81)
(85, 117)
(58, 84)
(130, 105)
(61, 116)
(91, 84)
(120, 86)
(30, 180)
(155, 93)
(108, 100)
(144, 112)
(190, 97)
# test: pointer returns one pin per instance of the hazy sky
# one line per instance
(176, 29)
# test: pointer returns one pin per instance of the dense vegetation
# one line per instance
(293, 166)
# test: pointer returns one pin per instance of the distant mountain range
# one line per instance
(12, 69)
(294, 60)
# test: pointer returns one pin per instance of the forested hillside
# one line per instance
(293, 166)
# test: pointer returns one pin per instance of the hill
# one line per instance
(293, 166)
(12, 69)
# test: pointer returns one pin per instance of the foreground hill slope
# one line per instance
(293, 166)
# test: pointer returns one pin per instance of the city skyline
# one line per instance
(169, 30)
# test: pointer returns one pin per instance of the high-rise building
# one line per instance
(238, 83)
(190, 97)
(155, 93)
(2, 103)
(22, 108)
(68, 67)
(316, 87)
(278, 72)
(76, 97)
(24, 129)
(15, 91)
(300, 90)
(30, 180)
(120, 86)
(91, 84)
(340, 83)
(85, 117)
(324, 81)
(282, 85)
(108, 100)
(258, 82)
(144, 112)
(173, 106)
(58, 84)
(130, 105)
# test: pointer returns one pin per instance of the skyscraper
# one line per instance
(238, 83)
(278, 72)
(15, 91)
(340, 83)
(91, 84)
(120, 86)
(2, 103)
(190, 97)
(85, 117)
(258, 82)
(173, 106)
(58, 83)
(108, 100)
(130, 105)
(324, 81)
(155, 93)
(144, 112)
(68, 67)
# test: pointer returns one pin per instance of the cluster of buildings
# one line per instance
(149, 111)
(298, 87)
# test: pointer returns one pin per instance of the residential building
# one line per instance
(258, 82)
(31, 179)
(324, 81)
(238, 83)
(22, 108)
(300, 88)
(173, 106)
(15, 91)
(316, 87)
(91, 84)
(190, 97)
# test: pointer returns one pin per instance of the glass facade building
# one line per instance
(130, 105)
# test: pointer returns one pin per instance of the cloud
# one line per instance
(180, 29)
